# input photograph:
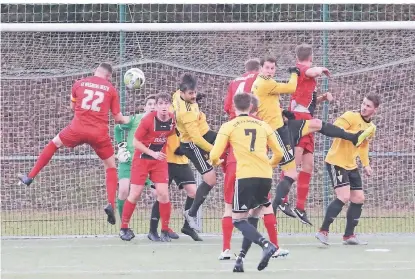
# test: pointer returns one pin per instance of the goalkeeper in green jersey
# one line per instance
(126, 151)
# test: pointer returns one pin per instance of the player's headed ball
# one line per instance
(134, 78)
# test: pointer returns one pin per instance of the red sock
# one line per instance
(281, 178)
(111, 179)
(303, 185)
(127, 212)
(227, 228)
(43, 159)
(165, 212)
(270, 223)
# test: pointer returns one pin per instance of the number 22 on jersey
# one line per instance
(92, 100)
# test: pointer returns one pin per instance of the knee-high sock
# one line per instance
(227, 228)
(303, 186)
(334, 208)
(43, 159)
(246, 243)
(111, 179)
(201, 194)
(187, 205)
(127, 212)
(353, 215)
(155, 216)
(333, 131)
(283, 188)
(270, 223)
(120, 205)
(165, 212)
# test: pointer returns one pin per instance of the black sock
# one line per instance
(334, 208)
(155, 216)
(282, 190)
(246, 243)
(249, 231)
(201, 194)
(187, 205)
(353, 216)
(333, 131)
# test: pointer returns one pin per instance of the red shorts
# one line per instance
(307, 141)
(101, 143)
(156, 170)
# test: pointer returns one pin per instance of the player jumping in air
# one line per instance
(196, 140)
(150, 160)
(240, 85)
(92, 99)
(344, 174)
(303, 103)
(249, 138)
(268, 90)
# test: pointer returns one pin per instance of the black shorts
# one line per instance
(296, 130)
(286, 142)
(341, 177)
(181, 174)
(198, 156)
(250, 193)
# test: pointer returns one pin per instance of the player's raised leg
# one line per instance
(43, 159)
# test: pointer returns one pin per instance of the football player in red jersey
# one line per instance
(303, 103)
(92, 99)
(150, 160)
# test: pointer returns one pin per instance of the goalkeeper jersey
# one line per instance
(130, 128)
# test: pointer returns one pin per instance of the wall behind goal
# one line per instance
(38, 70)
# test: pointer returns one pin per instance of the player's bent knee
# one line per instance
(109, 162)
(57, 141)
(228, 210)
(357, 196)
(123, 188)
(135, 192)
(162, 192)
(190, 190)
(343, 193)
(210, 178)
(292, 173)
(256, 212)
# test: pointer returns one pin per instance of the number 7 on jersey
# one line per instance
(251, 132)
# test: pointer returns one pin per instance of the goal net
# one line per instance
(67, 198)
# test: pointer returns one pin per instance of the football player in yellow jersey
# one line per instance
(249, 138)
(343, 171)
(196, 141)
(268, 90)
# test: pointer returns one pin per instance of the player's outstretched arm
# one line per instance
(219, 147)
(316, 72)
(119, 128)
(285, 88)
(191, 126)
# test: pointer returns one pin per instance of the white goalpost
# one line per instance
(40, 62)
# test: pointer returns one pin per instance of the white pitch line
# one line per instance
(49, 246)
(138, 271)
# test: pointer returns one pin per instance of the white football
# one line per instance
(134, 78)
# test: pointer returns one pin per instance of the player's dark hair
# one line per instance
(255, 103)
(375, 99)
(303, 52)
(150, 97)
(163, 96)
(106, 66)
(268, 58)
(187, 82)
(252, 65)
(242, 101)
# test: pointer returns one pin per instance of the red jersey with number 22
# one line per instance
(238, 85)
(94, 98)
(153, 133)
